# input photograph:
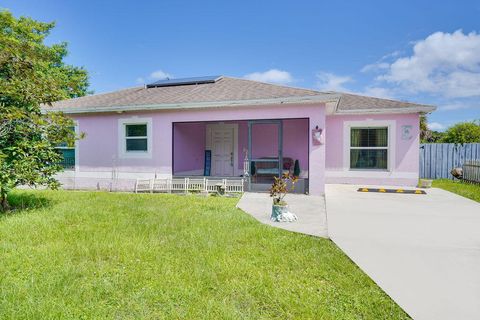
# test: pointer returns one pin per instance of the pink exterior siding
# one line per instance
(189, 146)
(405, 169)
(99, 159)
(98, 155)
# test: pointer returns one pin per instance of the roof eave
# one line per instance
(198, 105)
(417, 109)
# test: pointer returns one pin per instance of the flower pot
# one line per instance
(278, 211)
(425, 183)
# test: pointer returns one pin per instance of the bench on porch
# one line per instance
(268, 167)
(185, 185)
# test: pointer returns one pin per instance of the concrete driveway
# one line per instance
(423, 250)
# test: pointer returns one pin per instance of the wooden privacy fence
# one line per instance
(438, 159)
(471, 171)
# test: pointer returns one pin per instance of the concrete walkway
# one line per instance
(423, 250)
(312, 219)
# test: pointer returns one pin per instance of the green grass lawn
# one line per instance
(466, 190)
(96, 255)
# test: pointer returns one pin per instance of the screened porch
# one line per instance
(256, 151)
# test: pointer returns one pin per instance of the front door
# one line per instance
(222, 145)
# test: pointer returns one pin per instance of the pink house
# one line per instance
(227, 127)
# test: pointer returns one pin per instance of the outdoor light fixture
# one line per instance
(317, 136)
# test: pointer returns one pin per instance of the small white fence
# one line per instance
(185, 185)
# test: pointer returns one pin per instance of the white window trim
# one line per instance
(348, 125)
(122, 146)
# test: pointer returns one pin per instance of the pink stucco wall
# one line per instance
(98, 152)
(405, 169)
(189, 146)
(189, 143)
(98, 155)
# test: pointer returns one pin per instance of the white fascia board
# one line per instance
(199, 105)
(419, 109)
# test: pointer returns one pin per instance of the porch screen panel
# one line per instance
(264, 140)
(265, 148)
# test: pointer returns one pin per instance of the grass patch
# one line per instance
(467, 190)
(96, 255)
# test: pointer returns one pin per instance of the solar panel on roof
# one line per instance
(184, 81)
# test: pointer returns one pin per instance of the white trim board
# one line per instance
(122, 149)
(255, 103)
(390, 124)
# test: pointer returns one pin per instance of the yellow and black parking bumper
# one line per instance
(384, 190)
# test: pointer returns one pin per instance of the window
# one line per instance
(68, 154)
(136, 138)
(369, 148)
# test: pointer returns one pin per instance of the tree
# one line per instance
(427, 135)
(463, 132)
(435, 136)
(32, 74)
(424, 131)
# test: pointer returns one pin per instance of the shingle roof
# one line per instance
(351, 102)
(226, 90)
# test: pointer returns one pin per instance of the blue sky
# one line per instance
(422, 51)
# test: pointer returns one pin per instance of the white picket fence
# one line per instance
(185, 185)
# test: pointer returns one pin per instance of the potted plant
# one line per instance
(296, 169)
(278, 191)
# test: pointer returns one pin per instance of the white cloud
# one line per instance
(453, 106)
(155, 75)
(393, 54)
(272, 76)
(381, 64)
(331, 82)
(459, 105)
(375, 67)
(446, 64)
(328, 81)
(159, 75)
(436, 126)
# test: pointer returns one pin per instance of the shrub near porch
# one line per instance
(101, 255)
